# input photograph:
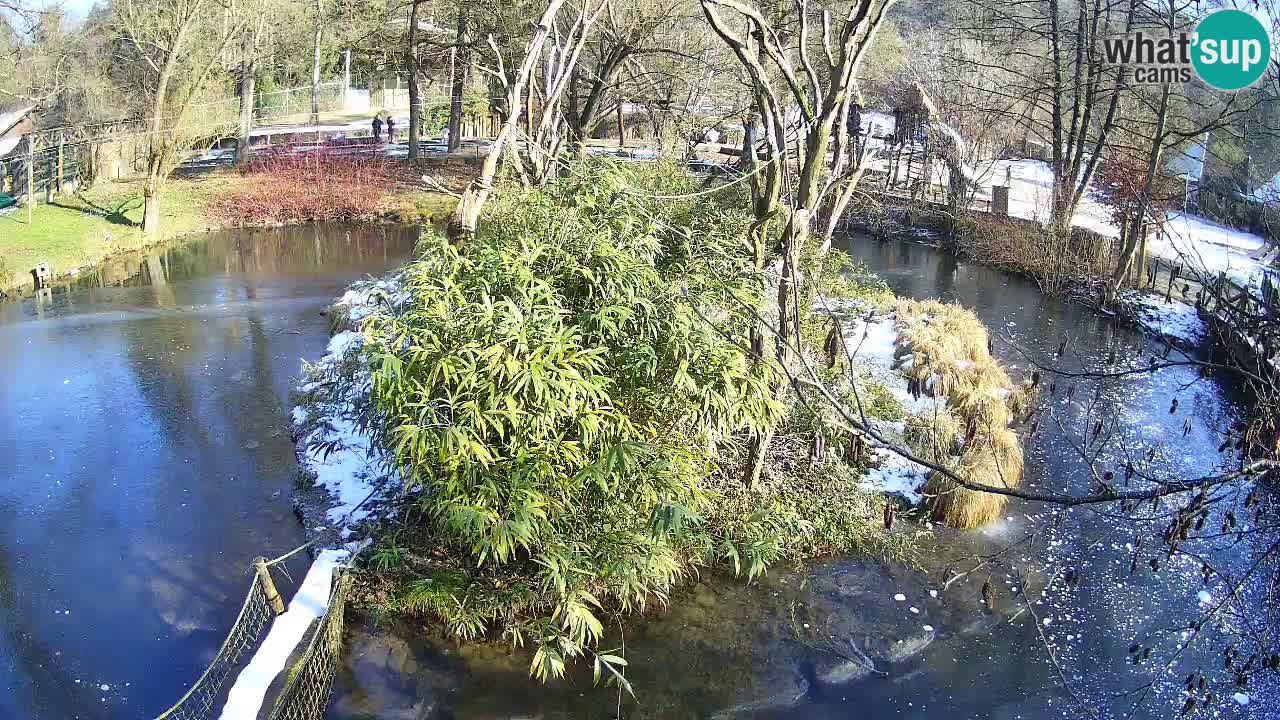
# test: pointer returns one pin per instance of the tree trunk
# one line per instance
(583, 120)
(414, 111)
(315, 66)
(622, 126)
(151, 198)
(248, 70)
(747, 155)
(461, 64)
(1138, 244)
(758, 451)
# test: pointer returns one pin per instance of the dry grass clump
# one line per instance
(1023, 400)
(946, 347)
(936, 437)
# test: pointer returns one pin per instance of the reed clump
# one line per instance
(944, 351)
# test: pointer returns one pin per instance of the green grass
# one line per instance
(420, 207)
(83, 228)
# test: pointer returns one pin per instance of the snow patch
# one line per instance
(333, 447)
(1174, 319)
(366, 298)
(896, 475)
(1206, 247)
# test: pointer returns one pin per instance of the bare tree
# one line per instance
(546, 137)
(821, 93)
(315, 62)
(251, 44)
(175, 47)
(1043, 67)
(461, 66)
(462, 226)
(415, 104)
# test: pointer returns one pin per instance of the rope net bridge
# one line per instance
(308, 678)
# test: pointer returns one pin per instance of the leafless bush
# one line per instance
(1056, 261)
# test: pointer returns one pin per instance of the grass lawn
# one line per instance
(83, 228)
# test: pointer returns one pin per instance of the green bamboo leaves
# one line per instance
(557, 406)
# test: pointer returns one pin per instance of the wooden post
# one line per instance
(48, 183)
(622, 127)
(268, 586)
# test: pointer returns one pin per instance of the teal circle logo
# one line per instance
(1232, 49)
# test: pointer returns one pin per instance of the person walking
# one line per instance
(377, 128)
(391, 129)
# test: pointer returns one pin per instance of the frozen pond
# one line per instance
(145, 458)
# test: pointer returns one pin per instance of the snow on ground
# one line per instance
(1202, 244)
(333, 448)
(363, 299)
(337, 453)
(1210, 248)
(1174, 319)
(871, 345)
(309, 604)
(1205, 246)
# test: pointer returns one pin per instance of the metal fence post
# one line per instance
(31, 175)
(268, 585)
(61, 145)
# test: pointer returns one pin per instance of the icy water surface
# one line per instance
(796, 645)
(145, 458)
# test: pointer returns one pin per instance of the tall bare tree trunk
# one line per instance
(414, 110)
(158, 149)
(248, 71)
(622, 125)
(151, 195)
(461, 64)
(315, 66)
(1136, 244)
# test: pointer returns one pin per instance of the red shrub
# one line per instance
(291, 186)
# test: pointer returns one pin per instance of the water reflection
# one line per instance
(145, 457)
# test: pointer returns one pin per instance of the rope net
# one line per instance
(200, 701)
(309, 681)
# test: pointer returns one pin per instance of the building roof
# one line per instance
(12, 117)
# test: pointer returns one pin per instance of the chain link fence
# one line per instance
(297, 101)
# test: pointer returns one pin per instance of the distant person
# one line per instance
(377, 128)
(391, 129)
